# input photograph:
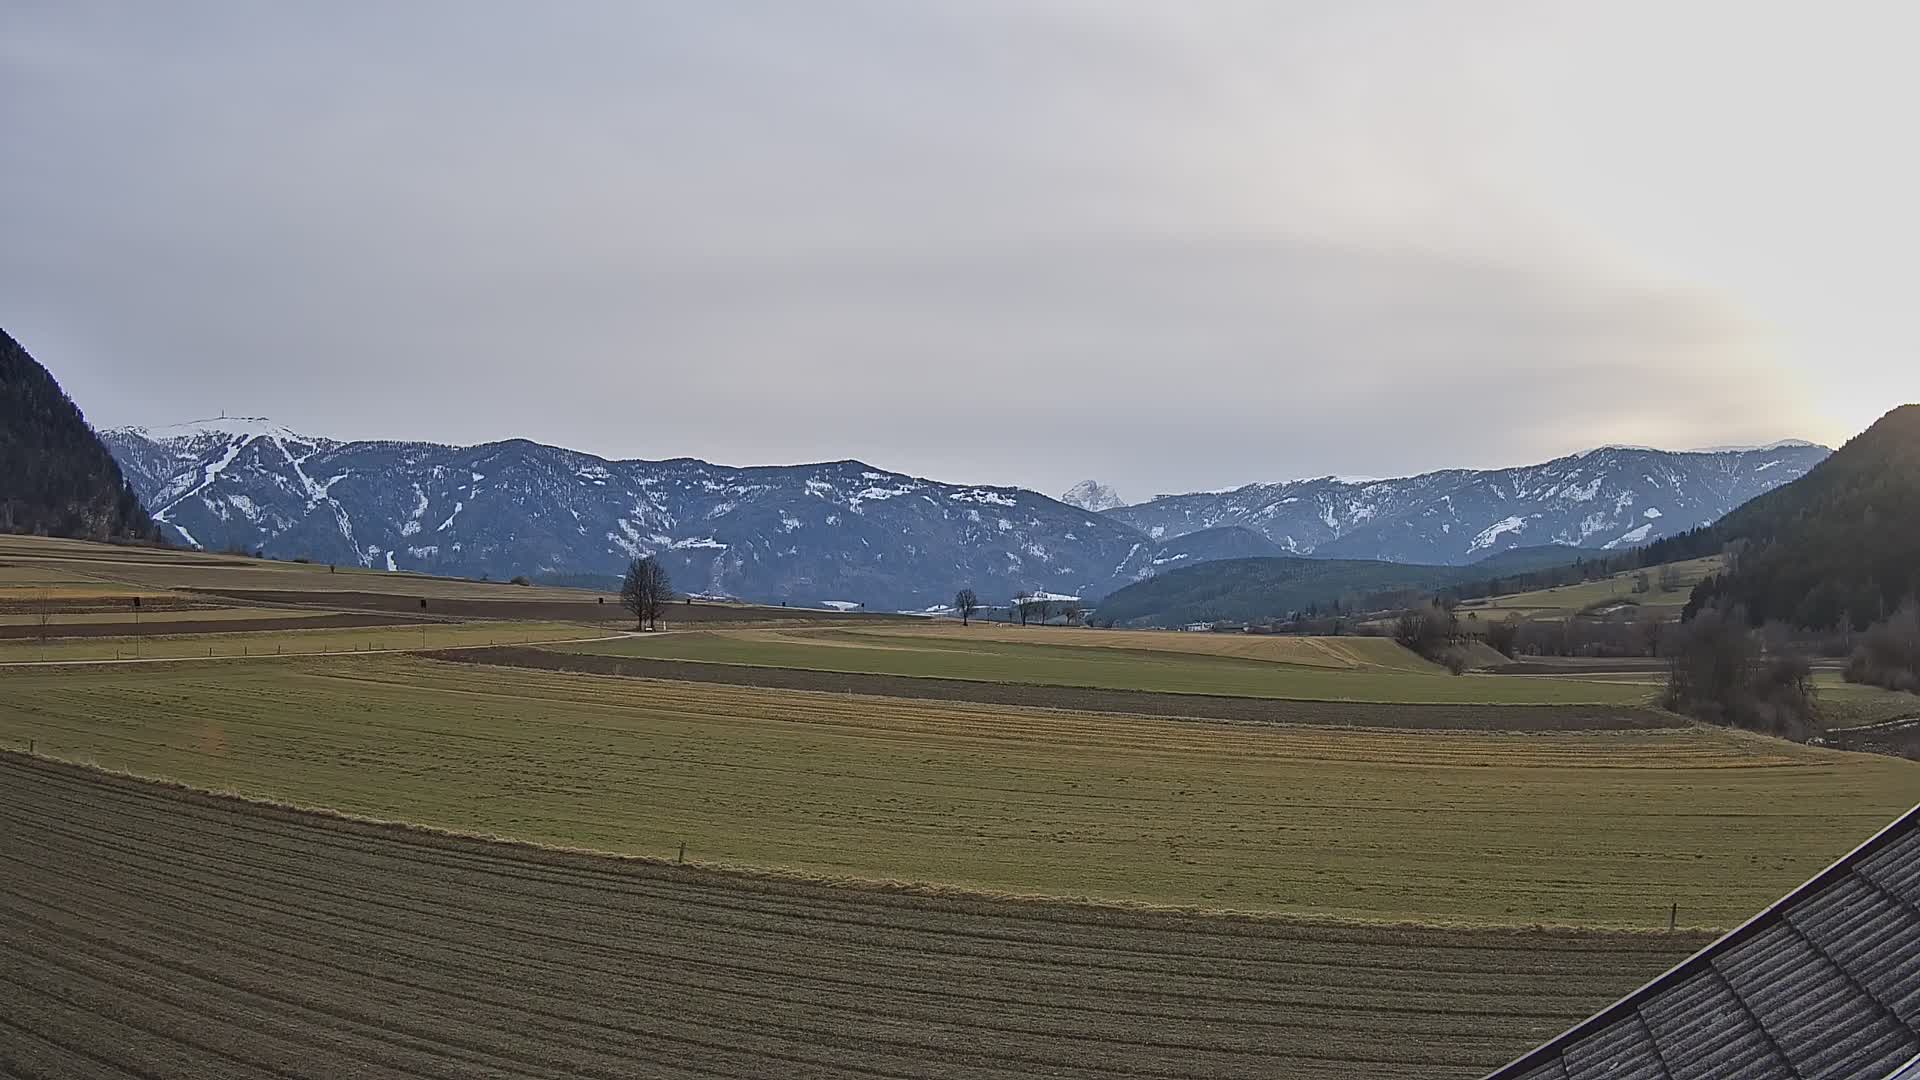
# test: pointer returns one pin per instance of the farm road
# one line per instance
(148, 930)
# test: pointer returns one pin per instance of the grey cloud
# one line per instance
(1002, 243)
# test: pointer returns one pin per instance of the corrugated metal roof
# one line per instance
(1911, 1072)
(1825, 983)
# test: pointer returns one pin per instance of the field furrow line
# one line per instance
(1258, 976)
(820, 1016)
(835, 981)
(619, 881)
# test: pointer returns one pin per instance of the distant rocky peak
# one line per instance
(1092, 496)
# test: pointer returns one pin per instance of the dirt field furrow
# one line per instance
(201, 936)
(1033, 943)
(1111, 1031)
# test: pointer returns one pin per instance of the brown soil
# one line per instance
(150, 931)
(1194, 706)
(68, 605)
(1897, 738)
(161, 628)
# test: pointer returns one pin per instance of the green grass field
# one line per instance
(959, 655)
(1566, 600)
(276, 642)
(27, 561)
(1839, 702)
(1845, 704)
(1597, 829)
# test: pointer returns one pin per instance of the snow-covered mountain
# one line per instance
(1612, 497)
(808, 534)
(846, 532)
(1093, 495)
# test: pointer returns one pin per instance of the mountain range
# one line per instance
(1612, 497)
(848, 532)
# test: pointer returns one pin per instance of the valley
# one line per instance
(1338, 797)
(957, 541)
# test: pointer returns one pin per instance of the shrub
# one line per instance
(1432, 631)
(519, 579)
(1889, 652)
(1718, 674)
(1504, 636)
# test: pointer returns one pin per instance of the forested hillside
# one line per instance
(1841, 543)
(1240, 590)
(55, 476)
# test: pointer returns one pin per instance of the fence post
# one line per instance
(1673, 916)
(683, 852)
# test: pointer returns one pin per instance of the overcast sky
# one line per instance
(1168, 245)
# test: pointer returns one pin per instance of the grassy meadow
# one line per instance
(28, 562)
(1567, 600)
(1369, 669)
(291, 642)
(1603, 828)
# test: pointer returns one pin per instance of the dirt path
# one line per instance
(151, 931)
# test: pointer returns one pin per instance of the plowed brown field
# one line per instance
(151, 931)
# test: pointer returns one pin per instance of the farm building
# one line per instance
(1045, 607)
(1825, 983)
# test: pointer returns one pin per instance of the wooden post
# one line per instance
(32, 753)
(1673, 916)
(683, 852)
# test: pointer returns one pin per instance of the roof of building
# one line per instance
(1825, 983)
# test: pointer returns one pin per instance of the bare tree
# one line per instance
(645, 591)
(43, 614)
(966, 604)
(1669, 578)
(1020, 600)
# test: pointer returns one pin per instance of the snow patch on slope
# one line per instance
(1493, 532)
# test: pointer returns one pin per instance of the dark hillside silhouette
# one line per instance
(56, 479)
(1840, 544)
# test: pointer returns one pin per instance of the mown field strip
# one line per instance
(124, 618)
(151, 930)
(1344, 653)
(287, 637)
(988, 658)
(1234, 708)
(1591, 828)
